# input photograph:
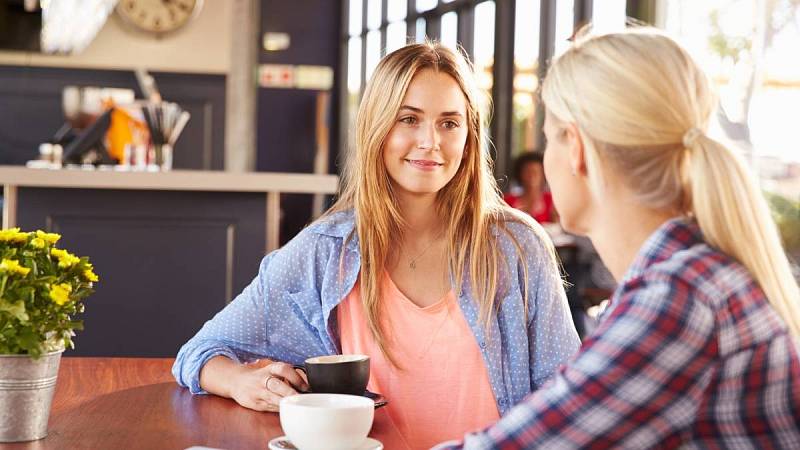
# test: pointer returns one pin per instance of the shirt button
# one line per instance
(483, 345)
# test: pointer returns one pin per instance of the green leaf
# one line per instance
(17, 310)
(30, 341)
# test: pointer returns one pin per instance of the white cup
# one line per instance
(326, 421)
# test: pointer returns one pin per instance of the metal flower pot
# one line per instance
(26, 392)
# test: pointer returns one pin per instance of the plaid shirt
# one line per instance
(689, 354)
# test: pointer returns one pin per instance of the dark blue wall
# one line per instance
(167, 260)
(30, 110)
(286, 116)
(286, 127)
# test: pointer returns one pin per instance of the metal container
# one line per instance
(26, 392)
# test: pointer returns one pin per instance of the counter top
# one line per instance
(176, 180)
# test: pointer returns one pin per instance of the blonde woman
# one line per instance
(455, 297)
(698, 346)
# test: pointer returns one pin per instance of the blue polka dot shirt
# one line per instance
(287, 313)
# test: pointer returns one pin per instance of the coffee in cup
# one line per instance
(326, 421)
(337, 374)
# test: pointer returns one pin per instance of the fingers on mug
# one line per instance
(303, 368)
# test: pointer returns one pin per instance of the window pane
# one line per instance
(395, 36)
(425, 5)
(420, 37)
(396, 10)
(449, 31)
(526, 32)
(373, 51)
(608, 18)
(354, 65)
(356, 11)
(484, 49)
(526, 80)
(374, 14)
(565, 19)
(484, 34)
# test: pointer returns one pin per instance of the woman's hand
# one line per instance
(263, 388)
(259, 386)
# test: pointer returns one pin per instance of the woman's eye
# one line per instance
(450, 124)
(410, 120)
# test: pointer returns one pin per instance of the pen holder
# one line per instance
(163, 156)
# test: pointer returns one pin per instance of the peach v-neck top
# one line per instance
(441, 390)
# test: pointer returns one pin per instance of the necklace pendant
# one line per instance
(412, 265)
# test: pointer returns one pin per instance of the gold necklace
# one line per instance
(413, 263)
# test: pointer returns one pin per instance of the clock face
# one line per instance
(158, 16)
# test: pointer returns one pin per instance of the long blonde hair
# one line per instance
(642, 106)
(470, 203)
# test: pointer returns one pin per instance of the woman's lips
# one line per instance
(423, 164)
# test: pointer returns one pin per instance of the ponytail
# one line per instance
(636, 115)
(735, 218)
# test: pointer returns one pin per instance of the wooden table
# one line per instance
(134, 403)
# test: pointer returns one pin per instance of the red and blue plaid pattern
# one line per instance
(689, 354)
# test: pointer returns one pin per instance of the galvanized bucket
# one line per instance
(26, 392)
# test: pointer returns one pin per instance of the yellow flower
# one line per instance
(90, 276)
(37, 242)
(13, 266)
(60, 293)
(65, 258)
(13, 235)
(50, 238)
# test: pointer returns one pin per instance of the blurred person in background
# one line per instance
(531, 194)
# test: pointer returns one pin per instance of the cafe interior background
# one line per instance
(245, 92)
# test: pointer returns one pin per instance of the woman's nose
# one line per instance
(428, 138)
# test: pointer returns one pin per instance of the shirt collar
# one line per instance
(339, 224)
(672, 236)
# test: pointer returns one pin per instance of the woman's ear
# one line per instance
(577, 155)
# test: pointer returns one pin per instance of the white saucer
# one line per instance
(283, 443)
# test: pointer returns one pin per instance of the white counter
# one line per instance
(176, 180)
(271, 184)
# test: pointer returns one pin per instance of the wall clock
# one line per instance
(158, 16)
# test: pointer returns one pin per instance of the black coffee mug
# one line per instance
(337, 374)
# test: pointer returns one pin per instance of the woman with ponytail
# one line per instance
(698, 347)
(454, 296)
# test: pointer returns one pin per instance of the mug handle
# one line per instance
(301, 367)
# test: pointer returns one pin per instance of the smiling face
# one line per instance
(424, 148)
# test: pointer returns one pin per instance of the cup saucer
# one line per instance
(379, 399)
(283, 443)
